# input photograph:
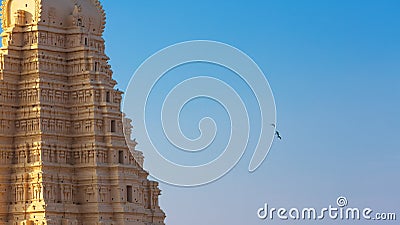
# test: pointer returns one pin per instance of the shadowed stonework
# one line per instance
(64, 159)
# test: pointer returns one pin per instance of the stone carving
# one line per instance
(76, 18)
(63, 155)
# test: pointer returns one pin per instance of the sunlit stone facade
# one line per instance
(63, 155)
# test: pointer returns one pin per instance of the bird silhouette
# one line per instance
(277, 134)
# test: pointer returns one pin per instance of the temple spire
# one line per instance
(64, 158)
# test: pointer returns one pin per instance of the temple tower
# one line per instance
(64, 159)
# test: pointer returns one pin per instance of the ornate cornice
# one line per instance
(5, 18)
(102, 12)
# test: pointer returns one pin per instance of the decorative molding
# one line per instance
(5, 23)
(97, 3)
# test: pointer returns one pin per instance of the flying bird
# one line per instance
(277, 134)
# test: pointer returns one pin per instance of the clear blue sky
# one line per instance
(334, 67)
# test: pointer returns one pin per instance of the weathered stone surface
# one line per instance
(63, 155)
